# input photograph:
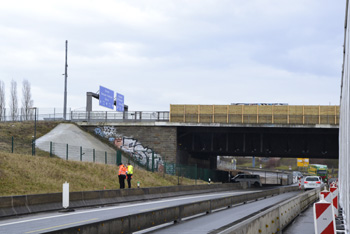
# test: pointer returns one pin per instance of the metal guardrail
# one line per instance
(89, 116)
(166, 116)
(112, 116)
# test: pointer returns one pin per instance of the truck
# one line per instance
(319, 170)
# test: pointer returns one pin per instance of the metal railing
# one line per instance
(154, 116)
(89, 116)
(112, 116)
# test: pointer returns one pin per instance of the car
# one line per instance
(251, 179)
(311, 182)
(296, 176)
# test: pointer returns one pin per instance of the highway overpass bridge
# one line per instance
(196, 134)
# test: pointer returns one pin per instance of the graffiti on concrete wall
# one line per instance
(130, 145)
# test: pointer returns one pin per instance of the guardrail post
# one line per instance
(32, 147)
(81, 153)
(195, 173)
(50, 148)
(66, 151)
(209, 211)
(12, 146)
(164, 171)
(152, 161)
(93, 155)
(119, 157)
(105, 157)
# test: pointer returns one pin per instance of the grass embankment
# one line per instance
(26, 174)
(21, 173)
(23, 135)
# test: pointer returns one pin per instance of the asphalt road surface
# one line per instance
(37, 223)
(43, 222)
(211, 222)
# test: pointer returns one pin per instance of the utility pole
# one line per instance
(65, 85)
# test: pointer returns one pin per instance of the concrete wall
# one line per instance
(26, 204)
(275, 219)
(163, 140)
(144, 220)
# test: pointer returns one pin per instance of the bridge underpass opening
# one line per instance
(201, 145)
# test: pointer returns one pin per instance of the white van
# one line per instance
(252, 179)
(296, 176)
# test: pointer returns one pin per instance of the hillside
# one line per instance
(25, 174)
(21, 173)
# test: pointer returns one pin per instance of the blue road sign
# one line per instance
(106, 97)
(120, 102)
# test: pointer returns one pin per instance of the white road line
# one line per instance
(67, 224)
(117, 207)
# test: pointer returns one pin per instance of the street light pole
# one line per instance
(65, 85)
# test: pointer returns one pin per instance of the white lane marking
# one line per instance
(118, 207)
(155, 208)
(67, 224)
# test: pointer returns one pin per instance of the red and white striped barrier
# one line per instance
(299, 183)
(334, 190)
(334, 184)
(327, 195)
(324, 219)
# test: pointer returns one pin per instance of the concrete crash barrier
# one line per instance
(26, 204)
(275, 219)
(144, 220)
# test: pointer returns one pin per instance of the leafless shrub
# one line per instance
(2, 100)
(27, 102)
(14, 101)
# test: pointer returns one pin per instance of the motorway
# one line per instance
(217, 222)
(46, 222)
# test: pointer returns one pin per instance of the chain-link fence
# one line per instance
(148, 160)
(82, 154)
(194, 172)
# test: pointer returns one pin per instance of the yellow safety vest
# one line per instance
(130, 169)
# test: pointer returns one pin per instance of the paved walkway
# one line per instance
(303, 224)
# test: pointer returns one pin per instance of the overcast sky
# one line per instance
(162, 52)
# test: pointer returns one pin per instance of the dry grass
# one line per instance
(21, 173)
(26, 174)
(22, 133)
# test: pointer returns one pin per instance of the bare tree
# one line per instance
(27, 102)
(14, 101)
(2, 100)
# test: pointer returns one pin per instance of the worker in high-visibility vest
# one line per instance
(129, 174)
(122, 175)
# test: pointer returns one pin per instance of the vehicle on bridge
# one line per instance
(319, 170)
(251, 179)
(296, 176)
